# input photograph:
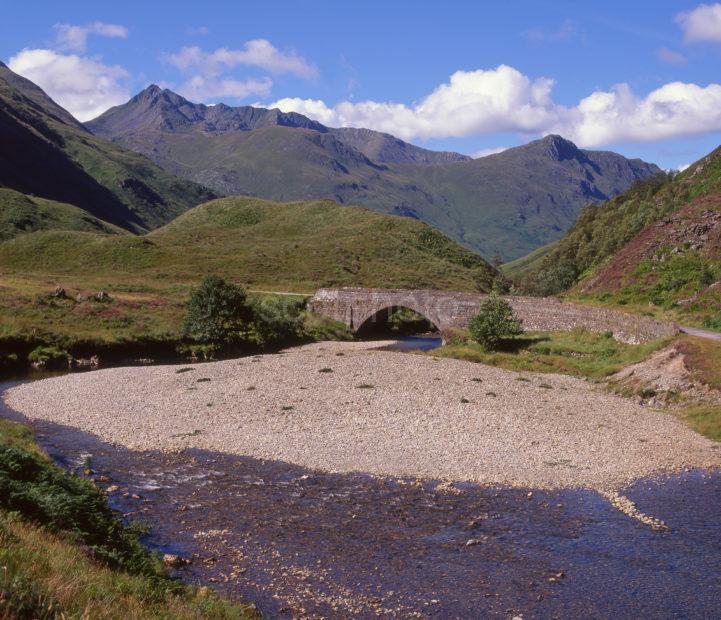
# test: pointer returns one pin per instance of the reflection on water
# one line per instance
(415, 343)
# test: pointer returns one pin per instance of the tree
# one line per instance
(217, 312)
(494, 322)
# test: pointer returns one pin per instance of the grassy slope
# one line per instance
(21, 214)
(625, 251)
(263, 245)
(518, 267)
(296, 246)
(112, 183)
(54, 529)
(578, 352)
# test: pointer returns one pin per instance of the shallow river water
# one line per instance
(303, 543)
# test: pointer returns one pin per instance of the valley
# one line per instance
(305, 331)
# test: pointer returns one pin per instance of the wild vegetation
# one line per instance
(654, 249)
(494, 323)
(578, 352)
(264, 246)
(64, 553)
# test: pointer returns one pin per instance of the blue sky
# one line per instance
(466, 76)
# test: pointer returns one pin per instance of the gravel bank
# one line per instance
(378, 412)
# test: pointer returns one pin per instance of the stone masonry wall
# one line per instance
(354, 306)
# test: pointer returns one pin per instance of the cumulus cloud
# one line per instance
(701, 24)
(471, 102)
(83, 86)
(199, 88)
(504, 100)
(75, 38)
(256, 53)
(670, 57)
(674, 110)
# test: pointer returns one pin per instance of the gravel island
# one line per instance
(349, 407)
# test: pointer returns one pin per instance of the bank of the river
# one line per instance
(303, 543)
(65, 554)
(344, 407)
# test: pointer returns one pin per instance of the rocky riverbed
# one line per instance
(345, 407)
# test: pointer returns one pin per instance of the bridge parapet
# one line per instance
(448, 310)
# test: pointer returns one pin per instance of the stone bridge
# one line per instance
(357, 306)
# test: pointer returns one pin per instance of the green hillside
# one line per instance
(295, 246)
(21, 214)
(656, 247)
(516, 268)
(47, 153)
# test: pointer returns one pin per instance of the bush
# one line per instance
(50, 355)
(494, 322)
(42, 493)
(217, 313)
(277, 320)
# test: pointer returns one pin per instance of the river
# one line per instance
(300, 542)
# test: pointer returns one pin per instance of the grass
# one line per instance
(578, 352)
(63, 552)
(704, 419)
(262, 245)
(295, 247)
(704, 358)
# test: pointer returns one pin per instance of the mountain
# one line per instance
(508, 204)
(20, 214)
(657, 246)
(47, 153)
(387, 149)
(294, 246)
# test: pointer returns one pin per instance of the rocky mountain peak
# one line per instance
(558, 148)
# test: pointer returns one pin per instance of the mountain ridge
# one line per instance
(509, 203)
(111, 183)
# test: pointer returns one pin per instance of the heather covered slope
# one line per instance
(296, 246)
(658, 246)
(47, 153)
(507, 204)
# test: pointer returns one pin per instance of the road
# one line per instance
(700, 333)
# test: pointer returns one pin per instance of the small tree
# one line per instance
(494, 322)
(217, 312)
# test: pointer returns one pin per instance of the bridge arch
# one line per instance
(382, 314)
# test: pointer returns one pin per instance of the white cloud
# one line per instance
(673, 110)
(504, 100)
(199, 88)
(75, 38)
(470, 103)
(682, 167)
(670, 57)
(486, 152)
(83, 86)
(256, 53)
(702, 23)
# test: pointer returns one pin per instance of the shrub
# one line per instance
(48, 356)
(277, 320)
(494, 322)
(217, 312)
